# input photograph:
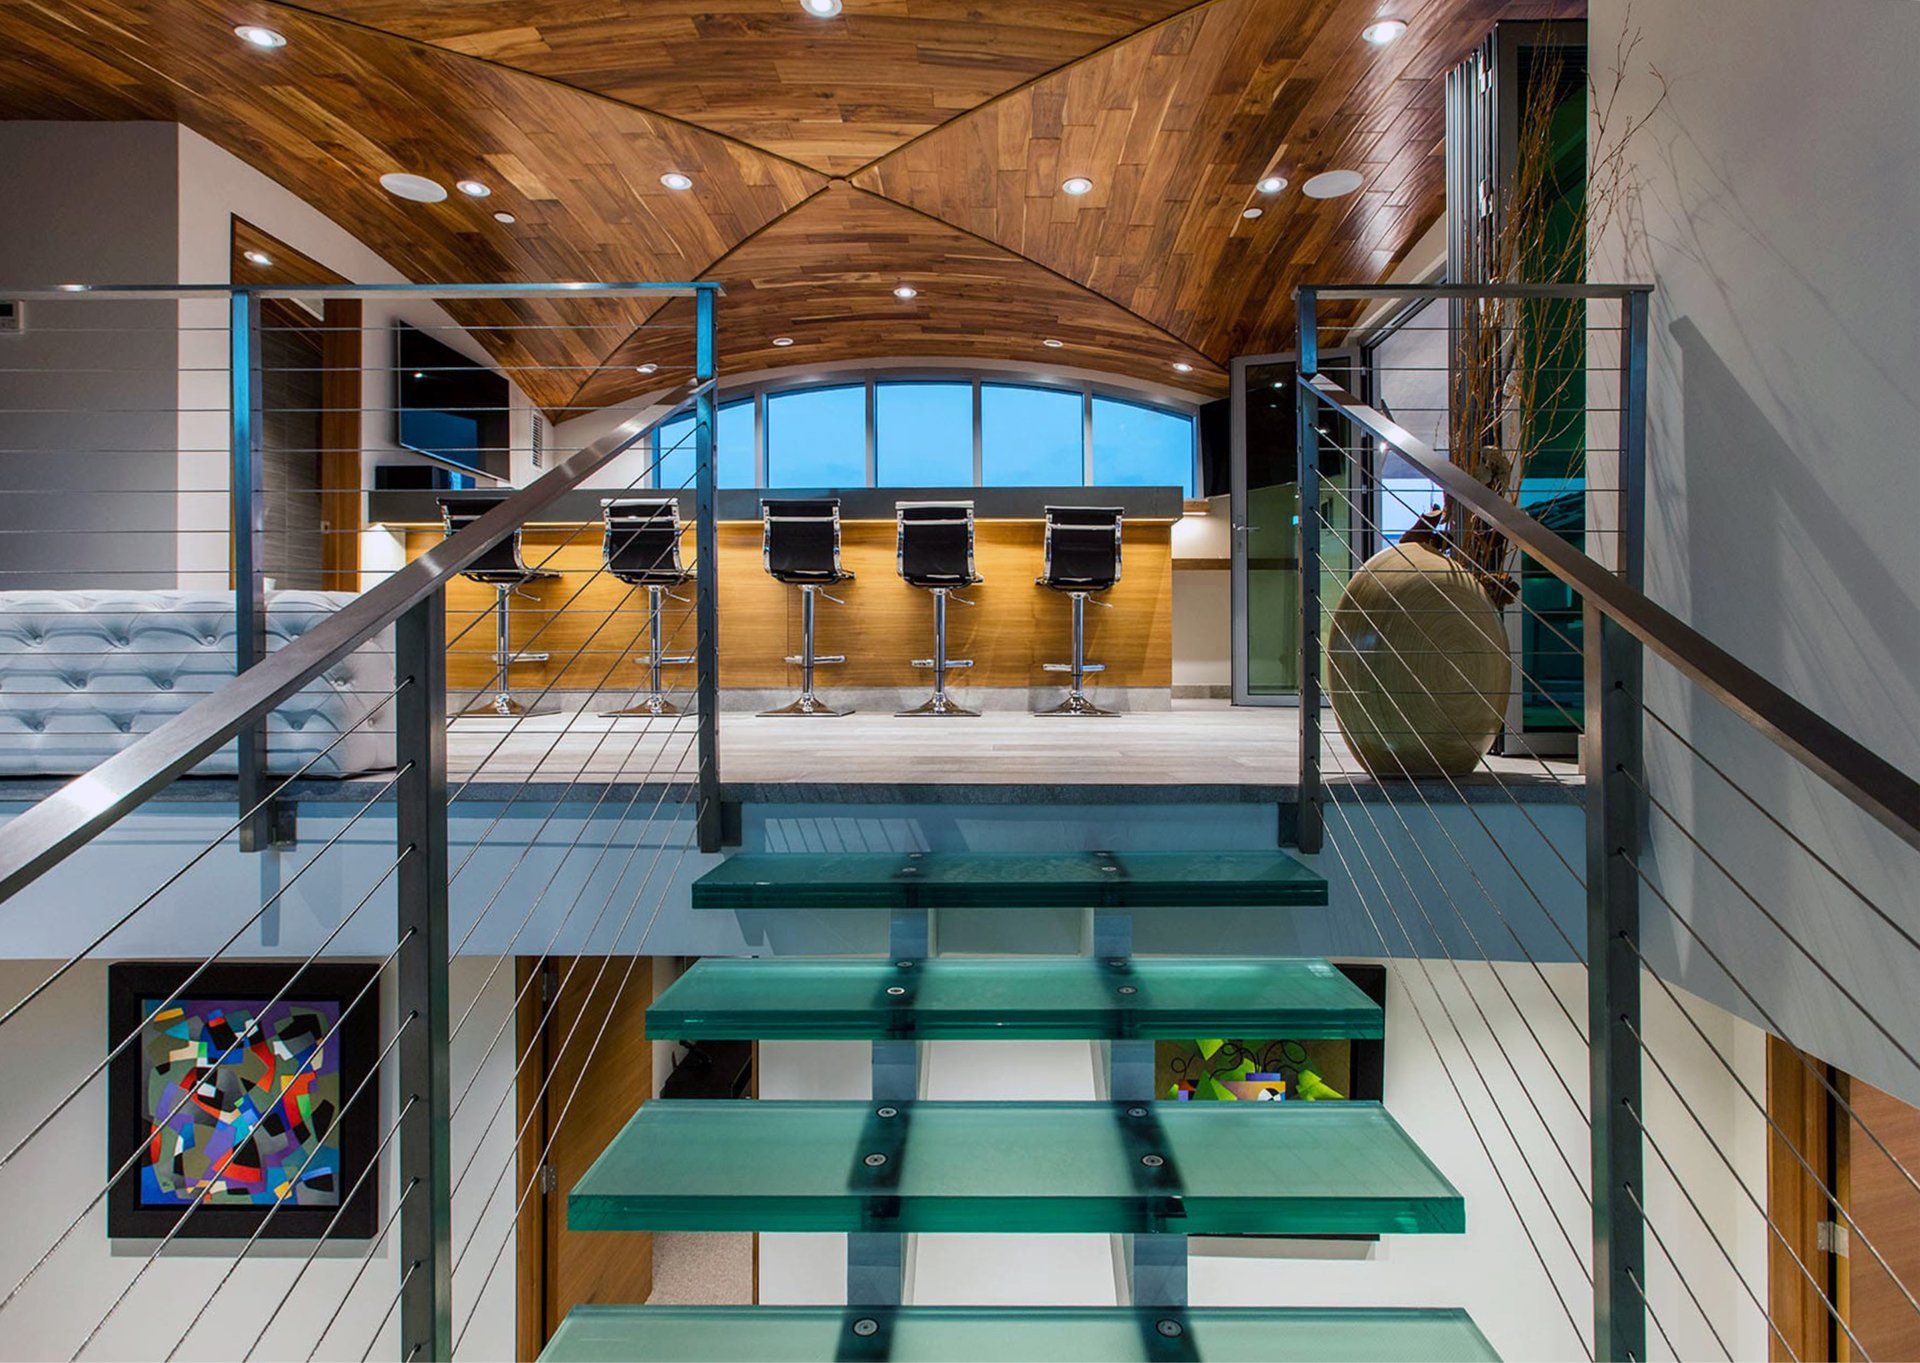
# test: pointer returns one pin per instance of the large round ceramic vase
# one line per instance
(1417, 666)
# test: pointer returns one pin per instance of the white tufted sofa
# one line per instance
(83, 673)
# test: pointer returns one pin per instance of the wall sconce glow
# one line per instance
(1251, 212)
(1384, 32)
(256, 35)
(674, 180)
(645, 368)
(415, 188)
(1076, 186)
(1331, 184)
(783, 341)
(905, 291)
(260, 258)
(1182, 367)
(821, 9)
(576, 284)
(473, 189)
(73, 288)
(1273, 184)
(1052, 344)
(505, 217)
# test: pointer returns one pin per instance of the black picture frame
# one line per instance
(130, 987)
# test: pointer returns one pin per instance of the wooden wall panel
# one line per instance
(1012, 629)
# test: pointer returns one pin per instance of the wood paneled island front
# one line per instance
(594, 627)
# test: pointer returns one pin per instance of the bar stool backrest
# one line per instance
(935, 543)
(1082, 548)
(642, 541)
(503, 560)
(800, 539)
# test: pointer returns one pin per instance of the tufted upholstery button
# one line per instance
(75, 682)
(165, 683)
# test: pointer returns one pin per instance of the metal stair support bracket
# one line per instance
(877, 1260)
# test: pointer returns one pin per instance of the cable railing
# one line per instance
(1642, 1217)
(401, 1067)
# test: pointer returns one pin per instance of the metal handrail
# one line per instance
(1863, 776)
(49, 832)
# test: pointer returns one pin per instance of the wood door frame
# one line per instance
(1804, 1113)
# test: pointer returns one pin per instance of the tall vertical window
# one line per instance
(1410, 384)
(1134, 444)
(732, 454)
(923, 434)
(1031, 437)
(817, 437)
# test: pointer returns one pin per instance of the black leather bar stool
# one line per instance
(935, 552)
(642, 549)
(502, 569)
(800, 545)
(1082, 557)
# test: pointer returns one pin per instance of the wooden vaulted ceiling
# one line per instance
(905, 141)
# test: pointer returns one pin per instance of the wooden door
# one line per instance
(588, 1066)
(1886, 1211)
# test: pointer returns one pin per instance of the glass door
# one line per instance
(1266, 522)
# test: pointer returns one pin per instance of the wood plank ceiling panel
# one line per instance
(336, 108)
(1177, 127)
(825, 274)
(833, 94)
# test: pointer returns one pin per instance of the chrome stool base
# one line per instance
(1077, 704)
(653, 707)
(656, 705)
(941, 705)
(807, 705)
(503, 706)
(806, 660)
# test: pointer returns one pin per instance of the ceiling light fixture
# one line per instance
(257, 35)
(473, 189)
(645, 368)
(1251, 212)
(1384, 32)
(783, 341)
(1052, 344)
(1331, 184)
(1182, 367)
(821, 9)
(674, 180)
(415, 188)
(505, 217)
(1076, 186)
(260, 258)
(1273, 184)
(904, 291)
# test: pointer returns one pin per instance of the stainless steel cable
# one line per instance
(1680, 1276)
(380, 1234)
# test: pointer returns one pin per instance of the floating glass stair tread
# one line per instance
(1294, 1168)
(972, 999)
(942, 880)
(1062, 1334)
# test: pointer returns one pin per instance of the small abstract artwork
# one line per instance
(239, 1101)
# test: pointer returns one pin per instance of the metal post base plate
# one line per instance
(1077, 704)
(939, 705)
(505, 707)
(650, 708)
(807, 705)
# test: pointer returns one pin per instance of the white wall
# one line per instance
(1774, 196)
(1203, 600)
(52, 1046)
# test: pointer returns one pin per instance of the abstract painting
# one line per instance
(239, 1101)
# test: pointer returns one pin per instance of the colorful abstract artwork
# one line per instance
(235, 1106)
(1220, 1070)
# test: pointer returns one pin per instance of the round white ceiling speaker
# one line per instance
(1331, 184)
(415, 188)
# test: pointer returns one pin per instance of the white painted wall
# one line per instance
(53, 1045)
(1774, 196)
(1203, 599)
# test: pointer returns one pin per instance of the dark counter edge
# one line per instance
(410, 506)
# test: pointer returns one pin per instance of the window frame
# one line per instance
(976, 379)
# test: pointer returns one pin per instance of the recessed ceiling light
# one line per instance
(417, 188)
(1384, 32)
(645, 368)
(256, 35)
(783, 341)
(576, 284)
(1251, 212)
(1182, 367)
(906, 291)
(260, 258)
(1052, 344)
(473, 189)
(505, 217)
(1331, 184)
(821, 9)
(1273, 184)
(673, 179)
(1076, 186)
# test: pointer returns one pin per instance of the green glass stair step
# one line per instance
(943, 880)
(1287, 1168)
(1012, 998)
(1060, 1334)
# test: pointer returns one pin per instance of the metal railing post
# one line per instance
(706, 586)
(1615, 776)
(1311, 825)
(420, 753)
(247, 520)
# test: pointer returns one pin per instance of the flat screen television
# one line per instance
(447, 405)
